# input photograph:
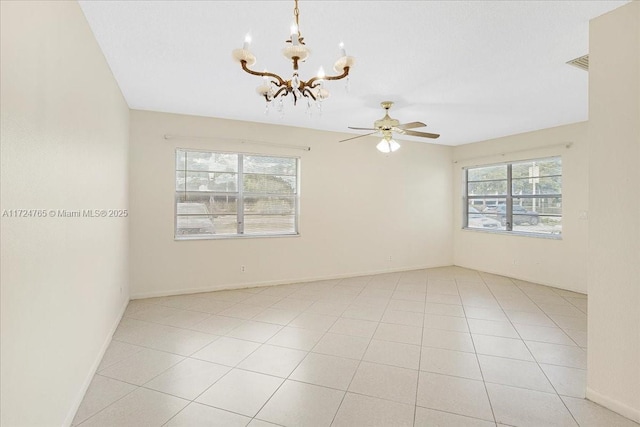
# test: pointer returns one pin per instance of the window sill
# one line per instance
(516, 233)
(182, 238)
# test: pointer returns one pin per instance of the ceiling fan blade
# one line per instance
(411, 125)
(359, 136)
(350, 127)
(422, 134)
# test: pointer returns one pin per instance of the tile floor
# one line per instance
(438, 347)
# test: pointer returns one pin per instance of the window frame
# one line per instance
(239, 194)
(509, 197)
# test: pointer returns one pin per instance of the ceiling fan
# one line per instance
(386, 126)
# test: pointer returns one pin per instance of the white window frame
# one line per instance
(508, 197)
(239, 194)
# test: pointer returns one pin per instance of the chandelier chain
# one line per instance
(296, 13)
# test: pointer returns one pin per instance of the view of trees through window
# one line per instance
(227, 194)
(521, 196)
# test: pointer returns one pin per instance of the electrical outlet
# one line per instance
(242, 269)
(389, 257)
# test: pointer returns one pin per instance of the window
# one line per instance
(235, 195)
(522, 197)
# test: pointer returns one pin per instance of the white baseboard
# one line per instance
(525, 279)
(616, 406)
(246, 285)
(94, 367)
(142, 295)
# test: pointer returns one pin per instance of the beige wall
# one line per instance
(614, 224)
(358, 207)
(64, 146)
(560, 263)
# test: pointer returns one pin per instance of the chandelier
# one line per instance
(276, 87)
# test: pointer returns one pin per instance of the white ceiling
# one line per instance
(471, 70)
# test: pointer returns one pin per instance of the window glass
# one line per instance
(523, 197)
(234, 194)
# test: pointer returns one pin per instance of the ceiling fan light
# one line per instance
(387, 146)
(383, 146)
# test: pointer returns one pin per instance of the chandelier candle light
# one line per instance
(275, 87)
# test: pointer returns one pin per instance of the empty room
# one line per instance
(320, 213)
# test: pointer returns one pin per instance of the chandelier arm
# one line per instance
(312, 82)
(279, 83)
(307, 92)
(283, 88)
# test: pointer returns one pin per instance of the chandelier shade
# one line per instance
(275, 87)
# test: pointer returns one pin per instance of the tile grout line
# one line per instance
(302, 360)
(292, 371)
(230, 370)
(415, 406)
(547, 315)
(355, 372)
(475, 351)
(236, 365)
(117, 400)
(536, 359)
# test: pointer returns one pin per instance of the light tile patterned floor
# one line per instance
(444, 346)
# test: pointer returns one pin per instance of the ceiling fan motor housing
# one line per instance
(387, 126)
(386, 123)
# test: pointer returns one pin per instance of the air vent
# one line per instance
(582, 62)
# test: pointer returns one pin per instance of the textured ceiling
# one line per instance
(471, 70)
